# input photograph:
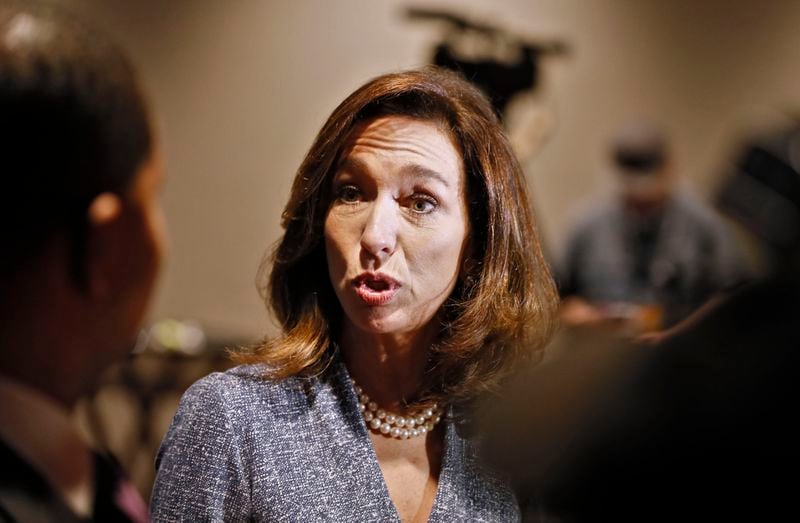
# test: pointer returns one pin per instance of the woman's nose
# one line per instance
(379, 237)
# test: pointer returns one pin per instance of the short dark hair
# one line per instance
(640, 147)
(504, 308)
(73, 124)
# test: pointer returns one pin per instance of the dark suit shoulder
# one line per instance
(25, 496)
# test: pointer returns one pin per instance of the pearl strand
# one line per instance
(417, 423)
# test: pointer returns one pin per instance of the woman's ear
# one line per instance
(103, 239)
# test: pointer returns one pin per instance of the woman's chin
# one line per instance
(382, 325)
(391, 325)
(378, 322)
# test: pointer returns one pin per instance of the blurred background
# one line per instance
(241, 88)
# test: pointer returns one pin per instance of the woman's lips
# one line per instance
(375, 288)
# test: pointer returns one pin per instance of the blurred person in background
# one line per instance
(82, 235)
(409, 279)
(697, 428)
(648, 256)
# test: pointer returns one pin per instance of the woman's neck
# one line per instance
(388, 367)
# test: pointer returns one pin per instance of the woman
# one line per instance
(409, 279)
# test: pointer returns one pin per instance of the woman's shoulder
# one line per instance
(245, 387)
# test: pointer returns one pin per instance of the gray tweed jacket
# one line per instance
(242, 448)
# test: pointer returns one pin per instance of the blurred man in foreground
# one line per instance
(699, 427)
(649, 255)
(82, 234)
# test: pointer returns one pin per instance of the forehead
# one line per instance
(400, 141)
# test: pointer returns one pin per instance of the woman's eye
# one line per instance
(422, 204)
(348, 194)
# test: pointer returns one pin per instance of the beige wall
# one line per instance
(241, 87)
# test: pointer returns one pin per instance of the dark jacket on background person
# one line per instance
(25, 496)
(698, 428)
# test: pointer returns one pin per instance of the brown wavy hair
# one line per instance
(503, 308)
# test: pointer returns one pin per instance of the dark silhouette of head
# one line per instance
(74, 124)
(81, 225)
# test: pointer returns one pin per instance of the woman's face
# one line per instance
(397, 225)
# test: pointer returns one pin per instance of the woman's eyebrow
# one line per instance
(420, 171)
(350, 164)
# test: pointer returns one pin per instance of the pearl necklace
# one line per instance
(417, 423)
